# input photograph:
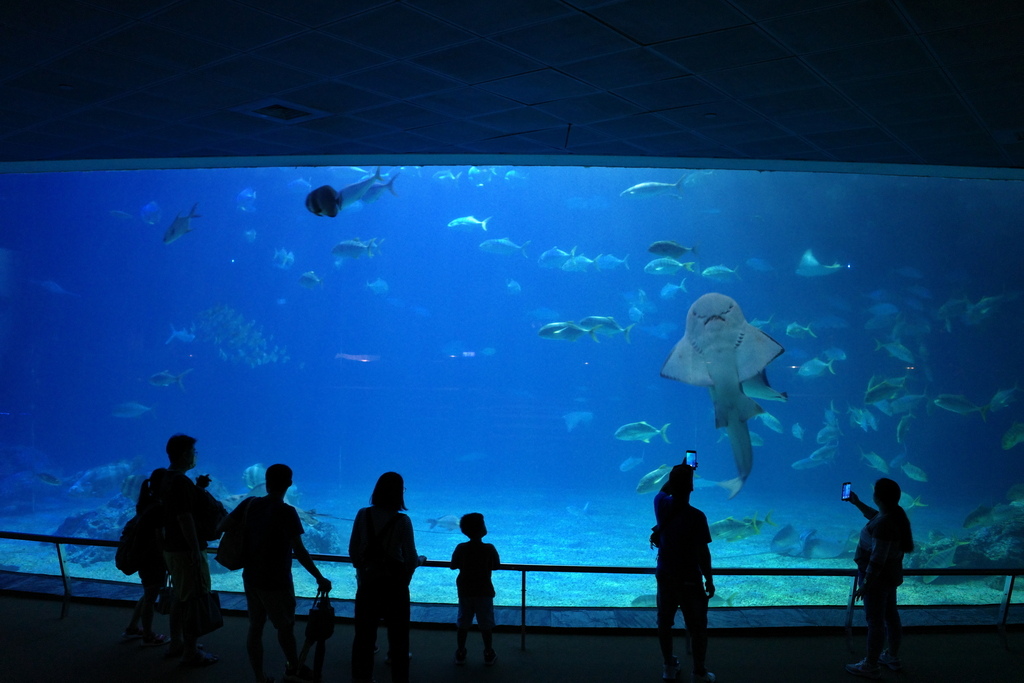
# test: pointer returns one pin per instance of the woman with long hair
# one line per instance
(383, 552)
(879, 557)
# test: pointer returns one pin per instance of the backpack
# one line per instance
(208, 513)
(377, 561)
(140, 538)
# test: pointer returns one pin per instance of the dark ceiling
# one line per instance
(937, 82)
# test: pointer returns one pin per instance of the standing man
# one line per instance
(684, 571)
(184, 550)
(273, 532)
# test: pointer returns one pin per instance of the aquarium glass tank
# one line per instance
(499, 335)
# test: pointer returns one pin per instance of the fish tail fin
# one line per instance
(625, 262)
(664, 432)
(483, 223)
(682, 285)
(811, 332)
(984, 412)
(391, 185)
(523, 248)
(829, 366)
(768, 519)
(625, 332)
(733, 486)
(593, 334)
(736, 272)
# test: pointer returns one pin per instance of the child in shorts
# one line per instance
(475, 560)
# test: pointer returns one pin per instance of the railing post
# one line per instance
(522, 614)
(1004, 607)
(66, 579)
(849, 614)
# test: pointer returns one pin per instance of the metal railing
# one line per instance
(1010, 574)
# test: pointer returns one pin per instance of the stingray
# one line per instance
(719, 350)
(809, 266)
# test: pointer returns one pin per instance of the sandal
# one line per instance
(155, 640)
(180, 650)
(201, 659)
(131, 634)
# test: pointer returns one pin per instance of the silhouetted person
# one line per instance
(152, 574)
(475, 560)
(383, 552)
(879, 557)
(272, 532)
(184, 550)
(685, 581)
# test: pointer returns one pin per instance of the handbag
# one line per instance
(206, 613)
(231, 549)
(164, 600)
(321, 619)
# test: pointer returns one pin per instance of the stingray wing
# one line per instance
(754, 351)
(687, 364)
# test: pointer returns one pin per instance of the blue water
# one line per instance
(445, 379)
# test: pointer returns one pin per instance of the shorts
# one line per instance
(482, 607)
(153, 574)
(278, 606)
(184, 576)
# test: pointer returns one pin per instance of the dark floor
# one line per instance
(38, 645)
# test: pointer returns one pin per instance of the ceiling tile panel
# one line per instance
(21, 49)
(466, 102)
(612, 148)
(401, 81)
(538, 86)
(519, 120)
(257, 75)
(336, 98)
(767, 9)
(994, 40)
(677, 143)
(69, 23)
(991, 73)
(110, 69)
(161, 47)
(457, 132)
(72, 89)
(944, 106)
(152, 106)
(204, 93)
(897, 87)
(641, 125)
(509, 144)
(847, 138)
(937, 128)
(485, 18)
(846, 118)
(930, 15)
(118, 121)
(403, 115)
(233, 123)
(568, 39)
(782, 75)
(314, 13)
(595, 107)
(477, 62)
(840, 26)
(225, 23)
(348, 127)
(797, 102)
(732, 135)
(13, 120)
(401, 142)
(297, 137)
(722, 49)
(82, 133)
(676, 92)
(777, 148)
(632, 67)
(322, 54)
(1000, 108)
(656, 21)
(399, 31)
(711, 115)
(871, 61)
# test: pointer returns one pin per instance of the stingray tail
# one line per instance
(733, 486)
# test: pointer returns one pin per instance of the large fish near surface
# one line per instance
(720, 350)
(181, 225)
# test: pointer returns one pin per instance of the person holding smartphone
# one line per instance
(879, 557)
(684, 576)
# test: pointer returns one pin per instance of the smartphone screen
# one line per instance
(847, 488)
(691, 459)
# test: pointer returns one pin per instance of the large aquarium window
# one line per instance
(498, 336)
